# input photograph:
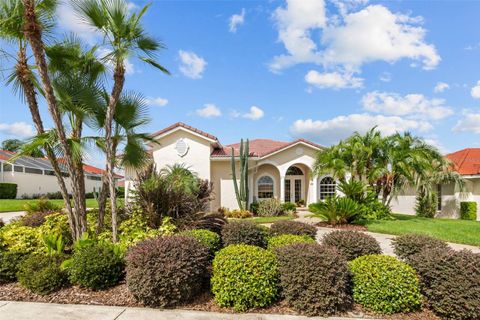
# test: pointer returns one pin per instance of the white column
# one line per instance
(251, 189)
(313, 190)
(282, 188)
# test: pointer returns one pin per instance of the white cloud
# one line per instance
(331, 131)
(373, 33)
(441, 86)
(236, 20)
(69, 21)
(156, 101)
(385, 77)
(437, 144)
(209, 110)
(103, 52)
(335, 80)
(469, 123)
(414, 105)
(191, 66)
(17, 129)
(255, 113)
(475, 92)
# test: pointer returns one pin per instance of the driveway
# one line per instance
(8, 216)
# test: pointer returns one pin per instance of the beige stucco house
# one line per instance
(283, 170)
(278, 169)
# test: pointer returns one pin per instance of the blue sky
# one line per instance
(313, 69)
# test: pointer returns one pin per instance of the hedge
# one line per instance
(468, 210)
(406, 245)
(8, 190)
(352, 244)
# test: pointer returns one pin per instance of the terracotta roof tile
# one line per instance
(183, 125)
(466, 161)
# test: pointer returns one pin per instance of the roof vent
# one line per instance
(181, 147)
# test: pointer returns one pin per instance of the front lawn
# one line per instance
(457, 231)
(8, 205)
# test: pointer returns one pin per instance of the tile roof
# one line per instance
(259, 147)
(185, 126)
(466, 161)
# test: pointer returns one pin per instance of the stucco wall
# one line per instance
(28, 183)
(266, 170)
(197, 157)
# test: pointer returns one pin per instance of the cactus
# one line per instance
(96, 195)
(241, 192)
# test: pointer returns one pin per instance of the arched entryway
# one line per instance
(295, 188)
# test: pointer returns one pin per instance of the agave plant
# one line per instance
(337, 210)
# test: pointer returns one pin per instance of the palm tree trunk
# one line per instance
(119, 79)
(102, 203)
(33, 33)
(24, 76)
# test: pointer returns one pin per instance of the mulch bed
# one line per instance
(352, 227)
(120, 296)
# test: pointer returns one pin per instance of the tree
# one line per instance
(15, 145)
(124, 35)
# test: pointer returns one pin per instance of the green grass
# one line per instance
(261, 220)
(457, 231)
(7, 205)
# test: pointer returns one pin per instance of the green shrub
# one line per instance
(208, 238)
(16, 237)
(385, 284)
(238, 214)
(450, 280)
(293, 227)
(254, 207)
(352, 244)
(337, 210)
(426, 205)
(41, 205)
(289, 207)
(314, 278)
(57, 223)
(468, 210)
(41, 273)
(245, 232)
(8, 190)
(407, 245)
(96, 266)
(244, 277)
(9, 264)
(270, 208)
(166, 271)
(287, 239)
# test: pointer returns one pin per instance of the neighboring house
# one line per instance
(467, 163)
(278, 169)
(35, 175)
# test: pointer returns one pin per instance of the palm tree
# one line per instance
(12, 22)
(124, 35)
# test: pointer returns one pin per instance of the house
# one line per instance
(276, 168)
(283, 170)
(467, 163)
(35, 175)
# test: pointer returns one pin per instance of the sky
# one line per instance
(288, 69)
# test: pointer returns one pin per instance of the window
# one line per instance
(96, 178)
(33, 170)
(327, 188)
(17, 168)
(265, 187)
(49, 173)
(7, 167)
(294, 171)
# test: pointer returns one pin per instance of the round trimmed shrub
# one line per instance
(450, 280)
(287, 239)
(314, 278)
(166, 271)
(407, 245)
(293, 227)
(96, 266)
(352, 244)
(244, 232)
(41, 273)
(9, 264)
(385, 284)
(244, 277)
(208, 238)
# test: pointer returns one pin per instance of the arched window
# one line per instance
(327, 188)
(294, 171)
(265, 187)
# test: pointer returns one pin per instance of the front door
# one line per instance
(293, 188)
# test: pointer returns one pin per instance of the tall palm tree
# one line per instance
(124, 36)
(12, 23)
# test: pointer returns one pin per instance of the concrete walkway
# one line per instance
(9, 216)
(51, 311)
